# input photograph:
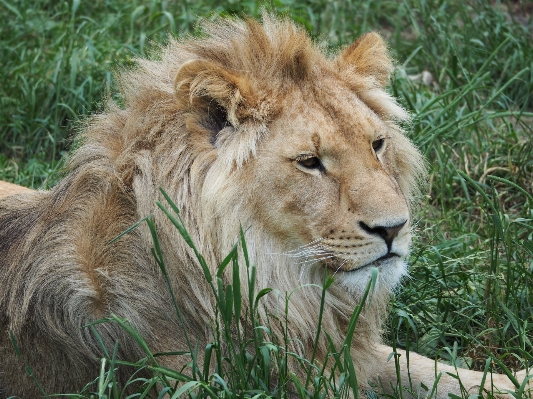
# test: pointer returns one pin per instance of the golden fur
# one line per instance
(10, 189)
(249, 125)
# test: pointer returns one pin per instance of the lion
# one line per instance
(253, 125)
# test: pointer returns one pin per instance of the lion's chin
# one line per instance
(391, 270)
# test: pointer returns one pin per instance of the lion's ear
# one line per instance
(369, 56)
(366, 66)
(224, 109)
(200, 83)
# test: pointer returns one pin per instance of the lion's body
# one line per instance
(251, 125)
(7, 189)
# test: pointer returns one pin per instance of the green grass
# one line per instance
(471, 294)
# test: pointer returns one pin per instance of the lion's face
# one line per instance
(324, 180)
(312, 157)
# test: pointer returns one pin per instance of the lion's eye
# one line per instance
(377, 144)
(311, 163)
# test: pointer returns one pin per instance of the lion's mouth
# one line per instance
(337, 263)
(388, 256)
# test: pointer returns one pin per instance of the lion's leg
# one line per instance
(43, 357)
(422, 370)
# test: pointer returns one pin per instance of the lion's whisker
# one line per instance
(308, 253)
(316, 260)
(310, 249)
(340, 266)
(308, 245)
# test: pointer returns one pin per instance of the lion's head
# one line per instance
(302, 147)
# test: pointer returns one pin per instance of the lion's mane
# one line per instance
(59, 270)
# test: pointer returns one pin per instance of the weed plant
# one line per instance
(470, 295)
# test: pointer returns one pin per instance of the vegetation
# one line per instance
(465, 71)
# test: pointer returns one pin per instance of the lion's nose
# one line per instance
(386, 232)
